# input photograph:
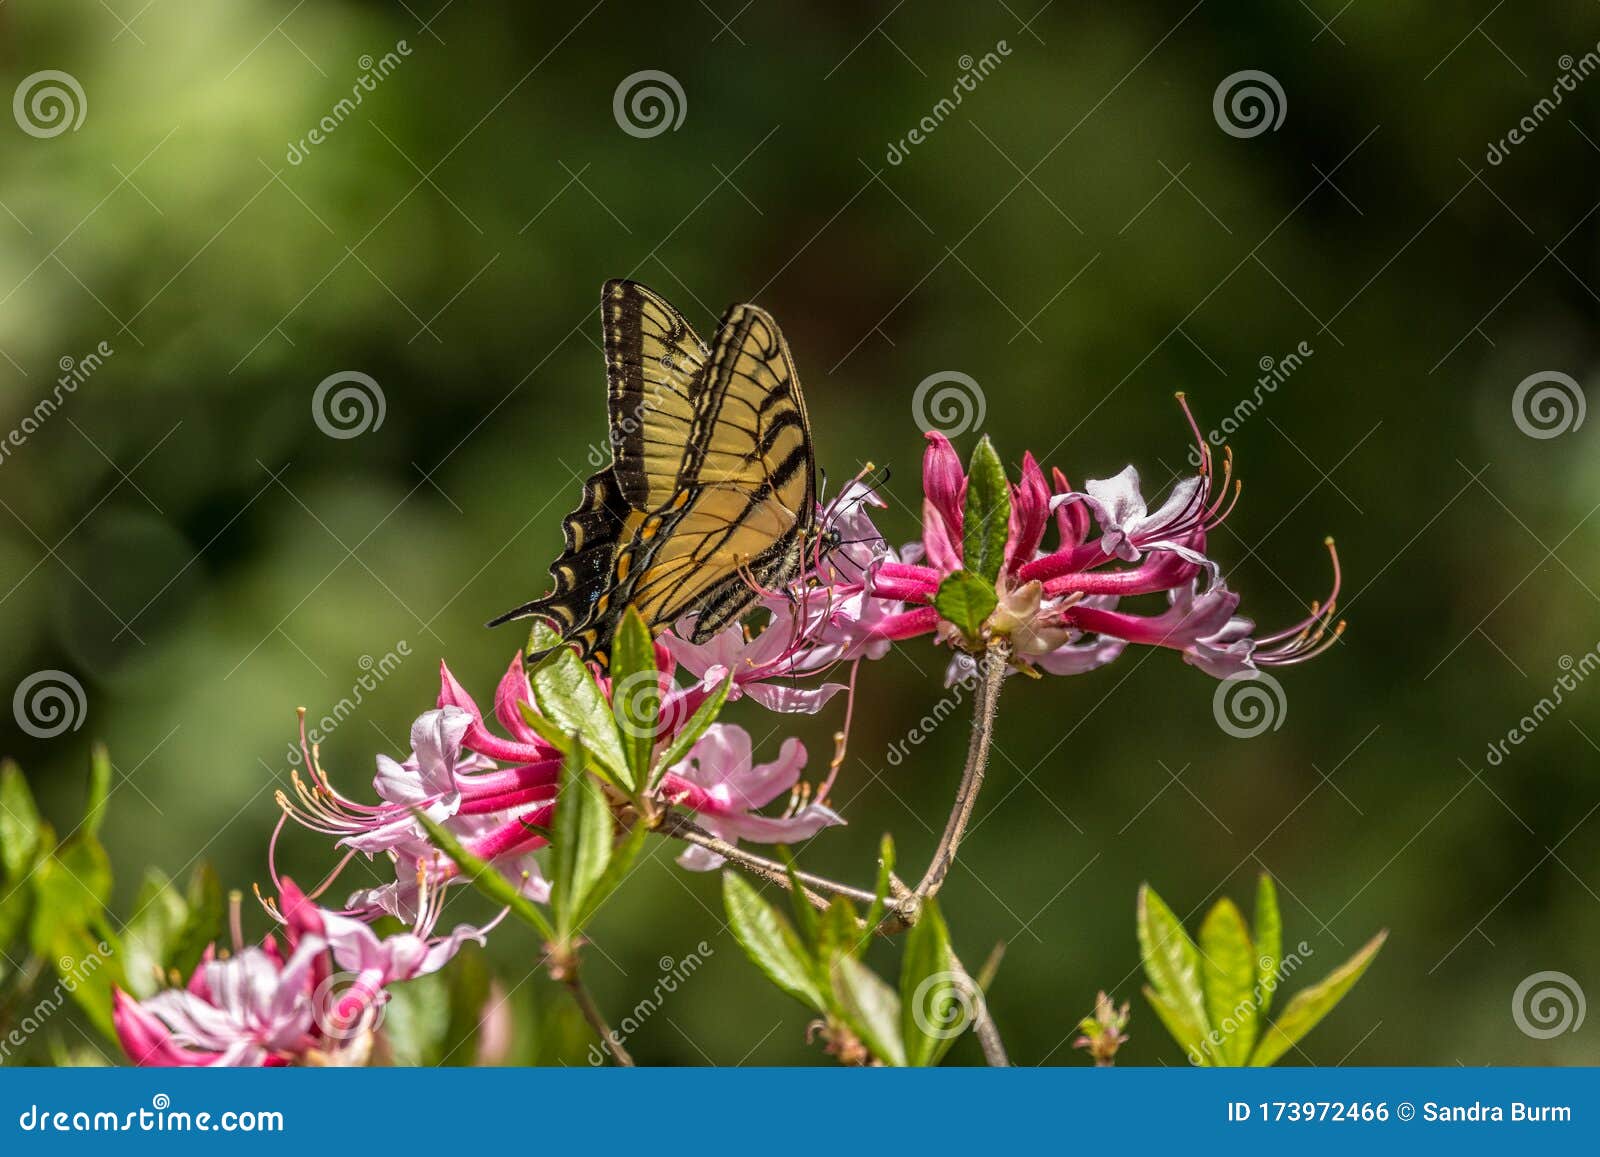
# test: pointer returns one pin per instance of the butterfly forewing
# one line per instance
(712, 493)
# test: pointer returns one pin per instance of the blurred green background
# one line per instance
(1080, 236)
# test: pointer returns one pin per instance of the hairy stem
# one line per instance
(591, 1013)
(991, 673)
(773, 871)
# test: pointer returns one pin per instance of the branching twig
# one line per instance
(991, 673)
(681, 827)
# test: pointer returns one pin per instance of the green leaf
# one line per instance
(580, 846)
(691, 731)
(1228, 974)
(1172, 962)
(622, 860)
(933, 1004)
(486, 879)
(94, 812)
(635, 693)
(770, 941)
(159, 912)
(1310, 1005)
(87, 967)
(804, 914)
(416, 1021)
(19, 824)
(838, 932)
(965, 600)
(542, 638)
(880, 894)
(1269, 941)
(1179, 1026)
(871, 1009)
(988, 513)
(208, 911)
(71, 888)
(569, 698)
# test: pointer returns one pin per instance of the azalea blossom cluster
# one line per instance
(491, 781)
(315, 999)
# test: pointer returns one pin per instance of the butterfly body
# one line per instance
(711, 494)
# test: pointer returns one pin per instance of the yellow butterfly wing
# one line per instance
(712, 485)
(655, 365)
(750, 476)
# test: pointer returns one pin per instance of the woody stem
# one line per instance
(991, 674)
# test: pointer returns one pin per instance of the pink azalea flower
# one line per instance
(722, 784)
(1058, 606)
(253, 1007)
(827, 617)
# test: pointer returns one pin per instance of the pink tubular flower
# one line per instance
(253, 1007)
(719, 782)
(1059, 606)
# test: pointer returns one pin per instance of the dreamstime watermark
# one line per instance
(49, 103)
(49, 703)
(161, 1117)
(1248, 103)
(649, 103)
(74, 372)
(950, 402)
(1572, 71)
(973, 73)
(1249, 703)
(71, 973)
(375, 671)
(373, 73)
(947, 705)
(1548, 1004)
(348, 404)
(1548, 404)
(1577, 670)
(946, 1004)
(1247, 1010)
(1274, 372)
(673, 973)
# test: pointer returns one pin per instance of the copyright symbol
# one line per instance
(1407, 1111)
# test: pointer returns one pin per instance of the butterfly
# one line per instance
(710, 498)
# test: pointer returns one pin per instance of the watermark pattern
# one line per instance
(1249, 703)
(1249, 103)
(49, 103)
(345, 1006)
(950, 402)
(673, 973)
(1548, 1004)
(1577, 670)
(1274, 372)
(631, 702)
(1572, 71)
(648, 103)
(375, 671)
(72, 973)
(348, 404)
(952, 699)
(49, 703)
(373, 73)
(973, 73)
(74, 372)
(678, 376)
(1548, 404)
(1247, 1010)
(160, 1117)
(945, 1004)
